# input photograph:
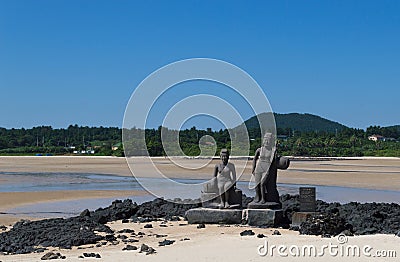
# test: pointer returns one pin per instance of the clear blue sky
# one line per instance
(67, 62)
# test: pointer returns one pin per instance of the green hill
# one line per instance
(298, 122)
(396, 127)
(388, 131)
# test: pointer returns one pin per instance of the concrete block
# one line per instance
(263, 217)
(214, 216)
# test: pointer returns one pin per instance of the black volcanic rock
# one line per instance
(276, 232)
(247, 233)
(110, 237)
(85, 213)
(160, 208)
(56, 232)
(52, 255)
(372, 218)
(323, 224)
(129, 247)
(290, 204)
(353, 218)
(126, 230)
(95, 255)
(356, 218)
(116, 211)
(331, 219)
(147, 249)
(166, 242)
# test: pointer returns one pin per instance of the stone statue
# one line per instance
(226, 178)
(221, 191)
(265, 169)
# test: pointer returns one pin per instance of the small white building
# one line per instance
(116, 146)
(376, 138)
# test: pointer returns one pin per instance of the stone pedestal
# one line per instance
(209, 200)
(263, 217)
(214, 216)
(267, 205)
(252, 217)
(212, 200)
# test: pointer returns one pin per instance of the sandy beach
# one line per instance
(224, 243)
(213, 243)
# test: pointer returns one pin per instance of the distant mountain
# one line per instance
(397, 127)
(298, 122)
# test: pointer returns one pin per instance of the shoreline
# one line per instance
(9, 200)
(372, 173)
(369, 173)
(14, 199)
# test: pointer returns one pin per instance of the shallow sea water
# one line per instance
(28, 182)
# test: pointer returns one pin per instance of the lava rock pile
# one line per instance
(330, 219)
(356, 218)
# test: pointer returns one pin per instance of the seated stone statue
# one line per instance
(222, 188)
(226, 178)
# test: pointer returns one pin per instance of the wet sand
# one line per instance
(15, 199)
(373, 173)
(12, 199)
(67, 164)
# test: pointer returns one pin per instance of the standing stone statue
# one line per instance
(265, 169)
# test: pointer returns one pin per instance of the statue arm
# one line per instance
(234, 175)
(256, 156)
(215, 170)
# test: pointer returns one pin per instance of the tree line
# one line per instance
(46, 140)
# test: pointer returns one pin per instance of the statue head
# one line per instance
(224, 155)
(268, 140)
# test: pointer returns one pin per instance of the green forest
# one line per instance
(336, 141)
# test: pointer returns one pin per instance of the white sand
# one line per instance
(218, 243)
